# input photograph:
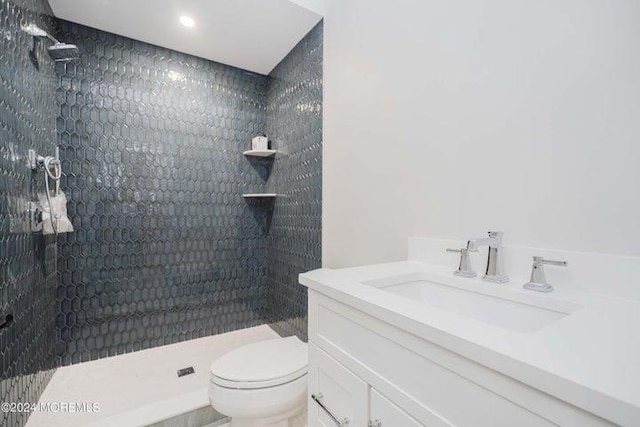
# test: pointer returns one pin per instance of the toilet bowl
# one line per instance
(263, 384)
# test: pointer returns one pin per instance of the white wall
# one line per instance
(451, 118)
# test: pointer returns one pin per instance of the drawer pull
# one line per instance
(339, 422)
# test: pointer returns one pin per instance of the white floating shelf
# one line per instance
(257, 195)
(260, 153)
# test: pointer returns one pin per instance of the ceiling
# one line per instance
(251, 34)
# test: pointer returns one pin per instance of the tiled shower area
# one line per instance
(165, 249)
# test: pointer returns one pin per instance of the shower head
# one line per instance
(59, 52)
(64, 52)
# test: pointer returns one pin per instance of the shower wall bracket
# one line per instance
(35, 161)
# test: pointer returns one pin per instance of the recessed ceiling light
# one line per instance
(187, 21)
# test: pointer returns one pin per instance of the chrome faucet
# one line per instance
(495, 264)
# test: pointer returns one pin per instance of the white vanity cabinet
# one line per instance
(338, 397)
(368, 373)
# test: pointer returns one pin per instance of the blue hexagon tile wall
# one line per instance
(165, 247)
(27, 261)
(294, 125)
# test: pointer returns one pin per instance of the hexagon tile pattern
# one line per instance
(294, 125)
(165, 249)
(27, 261)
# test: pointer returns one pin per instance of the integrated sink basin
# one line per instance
(506, 308)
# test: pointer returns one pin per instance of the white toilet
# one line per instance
(263, 384)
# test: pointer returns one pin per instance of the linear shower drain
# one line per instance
(186, 371)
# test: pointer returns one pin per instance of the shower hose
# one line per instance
(53, 170)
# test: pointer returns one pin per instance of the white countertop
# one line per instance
(590, 358)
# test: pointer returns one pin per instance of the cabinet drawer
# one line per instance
(384, 413)
(342, 393)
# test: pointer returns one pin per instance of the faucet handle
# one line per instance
(539, 261)
(538, 281)
(457, 250)
(464, 267)
(461, 250)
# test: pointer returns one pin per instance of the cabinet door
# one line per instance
(383, 413)
(334, 387)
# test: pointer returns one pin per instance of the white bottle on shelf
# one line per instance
(260, 142)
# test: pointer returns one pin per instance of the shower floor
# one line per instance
(140, 388)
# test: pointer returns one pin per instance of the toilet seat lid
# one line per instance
(261, 364)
